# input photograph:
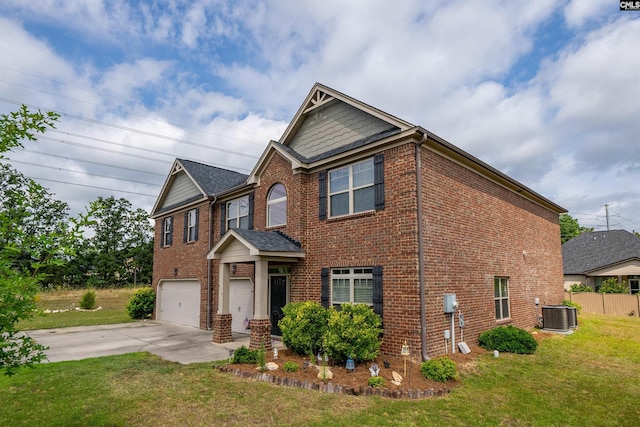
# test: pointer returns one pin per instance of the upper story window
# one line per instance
(351, 189)
(277, 206)
(347, 190)
(238, 213)
(352, 285)
(191, 225)
(167, 231)
(501, 297)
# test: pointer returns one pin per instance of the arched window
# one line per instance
(277, 206)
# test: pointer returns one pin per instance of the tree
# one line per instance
(30, 242)
(570, 228)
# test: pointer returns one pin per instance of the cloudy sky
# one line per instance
(546, 91)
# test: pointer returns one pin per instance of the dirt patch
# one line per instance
(356, 381)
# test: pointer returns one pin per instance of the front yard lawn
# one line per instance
(588, 378)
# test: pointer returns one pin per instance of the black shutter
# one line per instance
(378, 180)
(186, 227)
(324, 280)
(197, 224)
(377, 289)
(322, 194)
(223, 218)
(170, 236)
(251, 202)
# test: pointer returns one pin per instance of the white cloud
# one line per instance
(578, 12)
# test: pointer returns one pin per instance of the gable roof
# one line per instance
(198, 182)
(597, 249)
(259, 243)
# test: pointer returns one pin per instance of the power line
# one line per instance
(92, 186)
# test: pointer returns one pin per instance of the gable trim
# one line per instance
(175, 169)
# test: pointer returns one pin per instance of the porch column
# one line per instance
(260, 324)
(222, 319)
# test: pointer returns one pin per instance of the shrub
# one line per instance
(244, 355)
(303, 327)
(354, 332)
(508, 339)
(612, 286)
(88, 301)
(261, 359)
(575, 305)
(440, 369)
(376, 382)
(579, 287)
(290, 366)
(141, 304)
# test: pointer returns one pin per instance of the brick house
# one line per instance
(355, 205)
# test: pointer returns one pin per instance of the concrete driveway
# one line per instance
(172, 342)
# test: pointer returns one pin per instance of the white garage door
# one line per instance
(179, 302)
(240, 303)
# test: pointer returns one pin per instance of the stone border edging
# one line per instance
(334, 388)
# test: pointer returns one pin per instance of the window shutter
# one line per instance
(377, 289)
(186, 227)
(170, 236)
(322, 194)
(324, 279)
(378, 180)
(197, 224)
(223, 218)
(251, 202)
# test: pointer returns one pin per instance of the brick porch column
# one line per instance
(222, 328)
(260, 332)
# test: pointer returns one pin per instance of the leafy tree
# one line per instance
(612, 286)
(570, 228)
(31, 242)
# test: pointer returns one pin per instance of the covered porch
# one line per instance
(262, 248)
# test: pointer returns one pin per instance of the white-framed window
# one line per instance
(277, 206)
(192, 225)
(634, 284)
(501, 297)
(352, 285)
(167, 231)
(351, 189)
(238, 213)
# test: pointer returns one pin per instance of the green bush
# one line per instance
(261, 357)
(508, 339)
(612, 286)
(244, 355)
(290, 366)
(579, 287)
(568, 303)
(376, 382)
(354, 332)
(88, 301)
(141, 304)
(440, 369)
(303, 327)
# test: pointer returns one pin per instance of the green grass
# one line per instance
(112, 301)
(588, 378)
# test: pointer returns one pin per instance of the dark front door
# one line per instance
(278, 299)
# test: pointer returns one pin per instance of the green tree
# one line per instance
(570, 228)
(30, 242)
(612, 286)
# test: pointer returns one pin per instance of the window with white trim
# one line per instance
(501, 297)
(351, 189)
(167, 231)
(238, 213)
(192, 225)
(277, 206)
(352, 285)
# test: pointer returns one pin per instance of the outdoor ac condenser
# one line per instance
(555, 317)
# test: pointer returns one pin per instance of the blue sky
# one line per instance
(546, 91)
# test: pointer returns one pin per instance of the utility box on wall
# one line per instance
(450, 303)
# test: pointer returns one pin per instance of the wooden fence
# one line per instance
(613, 304)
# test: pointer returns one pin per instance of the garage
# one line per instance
(179, 302)
(240, 303)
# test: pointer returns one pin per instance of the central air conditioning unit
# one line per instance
(572, 312)
(555, 317)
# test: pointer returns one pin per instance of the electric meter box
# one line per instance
(450, 303)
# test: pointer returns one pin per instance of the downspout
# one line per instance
(421, 279)
(209, 278)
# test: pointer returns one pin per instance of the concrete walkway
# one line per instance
(170, 341)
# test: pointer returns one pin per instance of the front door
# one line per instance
(277, 300)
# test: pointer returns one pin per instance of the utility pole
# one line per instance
(606, 211)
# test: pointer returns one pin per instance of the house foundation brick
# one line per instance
(222, 328)
(260, 334)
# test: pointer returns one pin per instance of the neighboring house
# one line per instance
(353, 205)
(590, 258)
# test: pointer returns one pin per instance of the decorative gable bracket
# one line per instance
(317, 100)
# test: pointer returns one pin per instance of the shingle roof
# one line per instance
(211, 179)
(269, 241)
(594, 250)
